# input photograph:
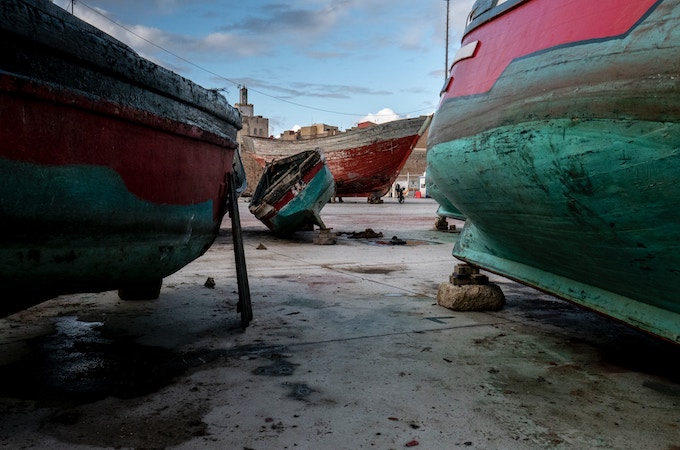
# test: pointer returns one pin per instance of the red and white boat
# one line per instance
(364, 162)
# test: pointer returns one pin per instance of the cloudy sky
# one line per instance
(337, 62)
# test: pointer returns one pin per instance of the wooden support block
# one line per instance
(462, 269)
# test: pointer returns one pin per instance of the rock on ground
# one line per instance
(471, 297)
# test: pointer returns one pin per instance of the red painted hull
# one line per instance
(363, 162)
(512, 36)
(160, 160)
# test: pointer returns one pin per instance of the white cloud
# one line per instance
(382, 116)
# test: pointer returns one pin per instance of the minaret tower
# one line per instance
(243, 105)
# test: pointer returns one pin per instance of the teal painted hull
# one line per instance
(292, 191)
(305, 208)
(78, 229)
(567, 166)
(446, 208)
(588, 219)
(115, 171)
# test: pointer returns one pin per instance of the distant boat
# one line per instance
(364, 162)
(558, 136)
(292, 191)
(115, 171)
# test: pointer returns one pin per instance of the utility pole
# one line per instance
(446, 59)
(73, 3)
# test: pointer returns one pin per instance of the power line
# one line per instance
(224, 78)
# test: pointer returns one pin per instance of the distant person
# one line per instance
(400, 193)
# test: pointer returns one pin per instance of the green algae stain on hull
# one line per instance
(583, 209)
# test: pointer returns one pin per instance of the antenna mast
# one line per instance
(446, 60)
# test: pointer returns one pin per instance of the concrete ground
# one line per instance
(347, 350)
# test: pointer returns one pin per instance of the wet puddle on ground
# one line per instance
(398, 242)
(84, 362)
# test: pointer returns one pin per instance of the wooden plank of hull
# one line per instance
(566, 168)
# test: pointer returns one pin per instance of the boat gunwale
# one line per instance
(365, 138)
(12, 84)
(297, 167)
(42, 20)
(494, 11)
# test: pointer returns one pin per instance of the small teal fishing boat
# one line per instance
(558, 136)
(292, 191)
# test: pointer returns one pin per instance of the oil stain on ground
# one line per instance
(81, 362)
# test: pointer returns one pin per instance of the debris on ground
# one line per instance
(367, 234)
(210, 283)
(396, 241)
(441, 223)
(325, 237)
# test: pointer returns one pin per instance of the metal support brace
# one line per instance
(244, 305)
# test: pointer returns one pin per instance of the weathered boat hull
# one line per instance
(292, 192)
(114, 169)
(363, 162)
(565, 160)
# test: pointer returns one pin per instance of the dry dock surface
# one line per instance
(347, 350)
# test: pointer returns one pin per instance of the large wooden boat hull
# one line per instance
(114, 170)
(364, 162)
(563, 150)
(291, 193)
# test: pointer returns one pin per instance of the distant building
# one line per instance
(252, 125)
(289, 135)
(318, 130)
(310, 132)
(366, 124)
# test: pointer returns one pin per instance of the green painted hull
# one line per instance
(446, 208)
(115, 171)
(588, 212)
(292, 191)
(305, 208)
(567, 167)
(91, 234)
